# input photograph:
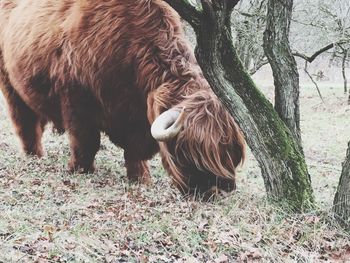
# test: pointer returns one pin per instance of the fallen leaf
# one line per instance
(221, 259)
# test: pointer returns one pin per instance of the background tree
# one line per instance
(282, 163)
(318, 27)
(345, 54)
(342, 197)
(248, 22)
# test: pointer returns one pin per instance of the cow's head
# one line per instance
(201, 145)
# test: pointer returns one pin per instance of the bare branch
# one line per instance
(258, 66)
(186, 11)
(245, 14)
(318, 52)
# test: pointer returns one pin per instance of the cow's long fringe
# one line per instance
(210, 139)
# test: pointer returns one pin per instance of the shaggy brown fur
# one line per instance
(114, 65)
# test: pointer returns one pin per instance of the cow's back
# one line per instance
(89, 42)
(117, 50)
(51, 46)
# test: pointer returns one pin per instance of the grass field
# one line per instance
(48, 215)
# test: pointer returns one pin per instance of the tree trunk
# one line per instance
(283, 64)
(342, 197)
(343, 66)
(282, 163)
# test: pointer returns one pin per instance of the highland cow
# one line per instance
(117, 66)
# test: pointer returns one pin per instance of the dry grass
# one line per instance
(48, 215)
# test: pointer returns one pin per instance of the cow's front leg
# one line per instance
(84, 145)
(79, 113)
(137, 170)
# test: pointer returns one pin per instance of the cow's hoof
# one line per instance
(144, 179)
(80, 169)
(34, 153)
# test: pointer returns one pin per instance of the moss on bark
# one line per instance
(278, 153)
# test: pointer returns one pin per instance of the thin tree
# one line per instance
(281, 160)
(344, 53)
(283, 64)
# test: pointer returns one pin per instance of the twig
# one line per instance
(313, 81)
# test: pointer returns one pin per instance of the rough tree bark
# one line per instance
(342, 197)
(283, 64)
(282, 163)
